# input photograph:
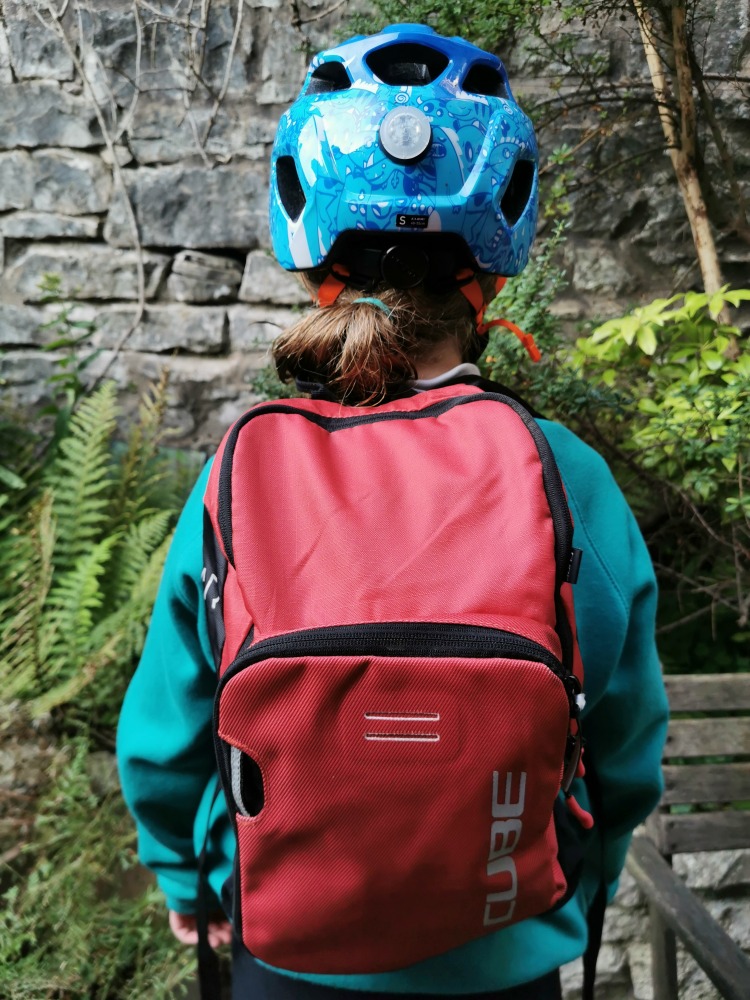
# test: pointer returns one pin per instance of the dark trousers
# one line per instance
(251, 981)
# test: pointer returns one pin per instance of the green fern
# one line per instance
(81, 477)
(27, 562)
(83, 563)
(135, 549)
(73, 603)
(139, 470)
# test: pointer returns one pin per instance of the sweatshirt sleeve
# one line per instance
(164, 740)
(625, 718)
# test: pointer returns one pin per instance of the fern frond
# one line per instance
(138, 469)
(73, 602)
(81, 477)
(130, 619)
(137, 544)
(68, 689)
(28, 577)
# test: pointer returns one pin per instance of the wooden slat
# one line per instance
(716, 831)
(663, 956)
(708, 692)
(707, 738)
(692, 783)
(720, 958)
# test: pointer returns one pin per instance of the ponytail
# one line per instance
(365, 349)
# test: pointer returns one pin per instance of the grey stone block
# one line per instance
(216, 70)
(192, 207)
(202, 277)
(265, 281)
(45, 225)
(251, 327)
(713, 869)
(36, 50)
(42, 114)
(72, 183)
(724, 36)
(179, 55)
(24, 375)
(162, 131)
(86, 272)
(6, 74)
(111, 48)
(283, 66)
(164, 328)
(598, 269)
(122, 155)
(16, 180)
(21, 327)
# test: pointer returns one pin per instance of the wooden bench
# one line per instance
(706, 766)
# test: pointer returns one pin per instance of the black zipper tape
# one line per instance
(399, 639)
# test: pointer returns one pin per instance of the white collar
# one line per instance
(420, 384)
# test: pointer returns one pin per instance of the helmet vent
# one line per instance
(483, 79)
(290, 190)
(407, 64)
(327, 78)
(518, 191)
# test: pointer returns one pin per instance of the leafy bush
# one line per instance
(485, 22)
(81, 559)
(664, 394)
(86, 525)
(678, 425)
(77, 919)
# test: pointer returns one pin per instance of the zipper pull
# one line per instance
(584, 818)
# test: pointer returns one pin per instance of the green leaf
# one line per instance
(712, 360)
(10, 479)
(647, 405)
(646, 339)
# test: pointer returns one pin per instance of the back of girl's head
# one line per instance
(365, 347)
(403, 180)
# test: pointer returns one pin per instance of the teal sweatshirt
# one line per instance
(166, 757)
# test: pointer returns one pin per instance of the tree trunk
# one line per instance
(681, 144)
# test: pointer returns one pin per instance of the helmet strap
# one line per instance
(333, 285)
(472, 291)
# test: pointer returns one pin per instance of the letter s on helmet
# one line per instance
(401, 140)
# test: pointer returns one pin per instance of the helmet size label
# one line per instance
(413, 221)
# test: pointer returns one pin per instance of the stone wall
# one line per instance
(171, 128)
(159, 117)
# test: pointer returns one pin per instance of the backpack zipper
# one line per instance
(403, 639)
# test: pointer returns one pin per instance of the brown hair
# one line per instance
(363, 353)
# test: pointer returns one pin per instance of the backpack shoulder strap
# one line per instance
(487, 385)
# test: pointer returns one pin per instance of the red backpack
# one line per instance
(389, 603)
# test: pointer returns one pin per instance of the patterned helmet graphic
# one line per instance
(405, 132)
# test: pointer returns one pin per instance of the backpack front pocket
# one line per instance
(398, 793)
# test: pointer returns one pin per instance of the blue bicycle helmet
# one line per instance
(407, 158)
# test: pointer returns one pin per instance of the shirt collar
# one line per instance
(460, 371)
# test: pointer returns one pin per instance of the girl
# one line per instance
(404, 189)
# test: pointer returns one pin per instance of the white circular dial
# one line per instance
(405, 134)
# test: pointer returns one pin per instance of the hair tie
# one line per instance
(378, 305)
